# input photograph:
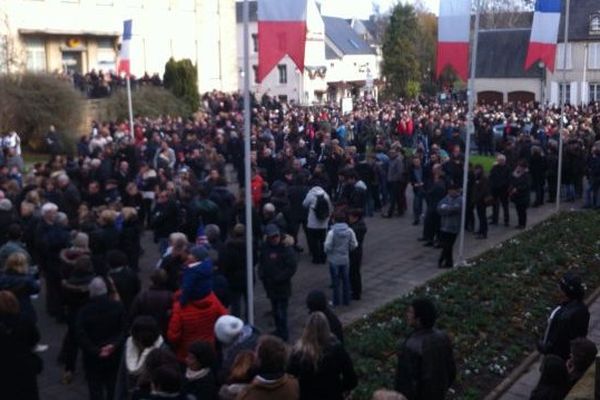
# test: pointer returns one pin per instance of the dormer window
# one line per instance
(595, 24)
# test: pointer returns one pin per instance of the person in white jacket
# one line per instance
(316, 227)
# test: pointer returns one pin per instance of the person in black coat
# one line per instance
(156, 301)
(434, 193)
(426, 367)
(499, 184)
(320, 363)
(127, 283)
(520, 189)
(50, 239)
(276, 268)
(130, 236)
(19, 365)
(104, 239)
(317, 301)
(101, 332)
(357, 224)
(537, 164)
(200, 380)
(164, 220)
(568, 321)
(554, 380)
(232, 261)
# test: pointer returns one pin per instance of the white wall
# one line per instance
(161, 29)
(506, 86)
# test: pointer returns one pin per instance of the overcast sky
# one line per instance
(363, 8)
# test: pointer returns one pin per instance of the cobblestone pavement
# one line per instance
(394, 263)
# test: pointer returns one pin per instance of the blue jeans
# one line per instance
(340, 273)
(280, 315)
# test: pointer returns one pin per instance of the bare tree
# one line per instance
(11, 54)
(506, 13)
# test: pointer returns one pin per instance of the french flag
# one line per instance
(544, 33)
(124, 65)
(281, 32)
(454, 26)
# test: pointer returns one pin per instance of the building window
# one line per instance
(36, 54)
(107, 55)
(255, 70)
(560, 56)
(282, 74)
(282, 98)
(564, 93)
(594, 92)
(595, 24)
(255, 42)
(594, 56)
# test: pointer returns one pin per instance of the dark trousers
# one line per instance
(316, 242)
(538, 188)
(397, 198)
(355, 277)
(447, 240)
(522, 214)
(481, 215)
(69, 349)
(280, 315)
(237, 298)
(53, 293)
(101, 385)
(431, 227)
(418, 198)
(500, 199)
(552, 182)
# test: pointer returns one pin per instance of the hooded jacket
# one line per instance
(310, 202)
(284, 388)
(339, 242)
(193, 322)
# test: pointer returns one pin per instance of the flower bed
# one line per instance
(495, 310)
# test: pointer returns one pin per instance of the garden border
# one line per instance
(516, 373)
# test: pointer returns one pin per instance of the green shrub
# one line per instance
(147, 102)
(181, 78)
(30, 103)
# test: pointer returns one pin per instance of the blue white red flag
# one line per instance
(544, 33)
(453, 37)
(124, 60)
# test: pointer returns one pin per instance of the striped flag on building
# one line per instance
(544, 33)
(124, 60)
(453, 37)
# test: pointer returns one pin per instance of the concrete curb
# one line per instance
(514, 376)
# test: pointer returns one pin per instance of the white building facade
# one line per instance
(83, 35)
(338, 62)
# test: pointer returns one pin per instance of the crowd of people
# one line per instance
(102, 83)
(78, 221)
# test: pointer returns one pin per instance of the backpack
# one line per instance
(321, 208)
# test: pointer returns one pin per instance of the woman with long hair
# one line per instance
(320, 362)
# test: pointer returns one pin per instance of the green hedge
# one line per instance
(147, 101)
(495, 310)
(30, 103)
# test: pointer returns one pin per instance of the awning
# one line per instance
(67, 32)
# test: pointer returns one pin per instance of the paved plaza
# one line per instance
(394, 263)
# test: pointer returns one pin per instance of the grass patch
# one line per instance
(495, 311)
(486, 161)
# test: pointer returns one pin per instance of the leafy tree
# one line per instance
(181, 78)
(400, 55)
(147, 101)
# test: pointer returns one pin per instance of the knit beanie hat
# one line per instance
(228, 328)
(197, 282)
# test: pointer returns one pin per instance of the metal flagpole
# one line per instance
(470, 131)
(247, 184)
(130, 105)
(562, 102)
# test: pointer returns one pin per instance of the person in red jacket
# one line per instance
(257, 188)
(195, 308)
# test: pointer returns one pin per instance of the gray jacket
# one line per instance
(449, 209)
(338, 243)
(395, 172)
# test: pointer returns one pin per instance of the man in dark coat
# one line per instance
(426, 367)
(71, 196)
(50, 239)
(499, 183)
(127, 283)
(568, 321)
(101, 333)
(164, 220)
(276, 269)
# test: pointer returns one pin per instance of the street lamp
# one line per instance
(542, 67)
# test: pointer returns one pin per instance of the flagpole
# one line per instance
(470, 131)
(247, 166)
(562, 104)
(130, 105)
